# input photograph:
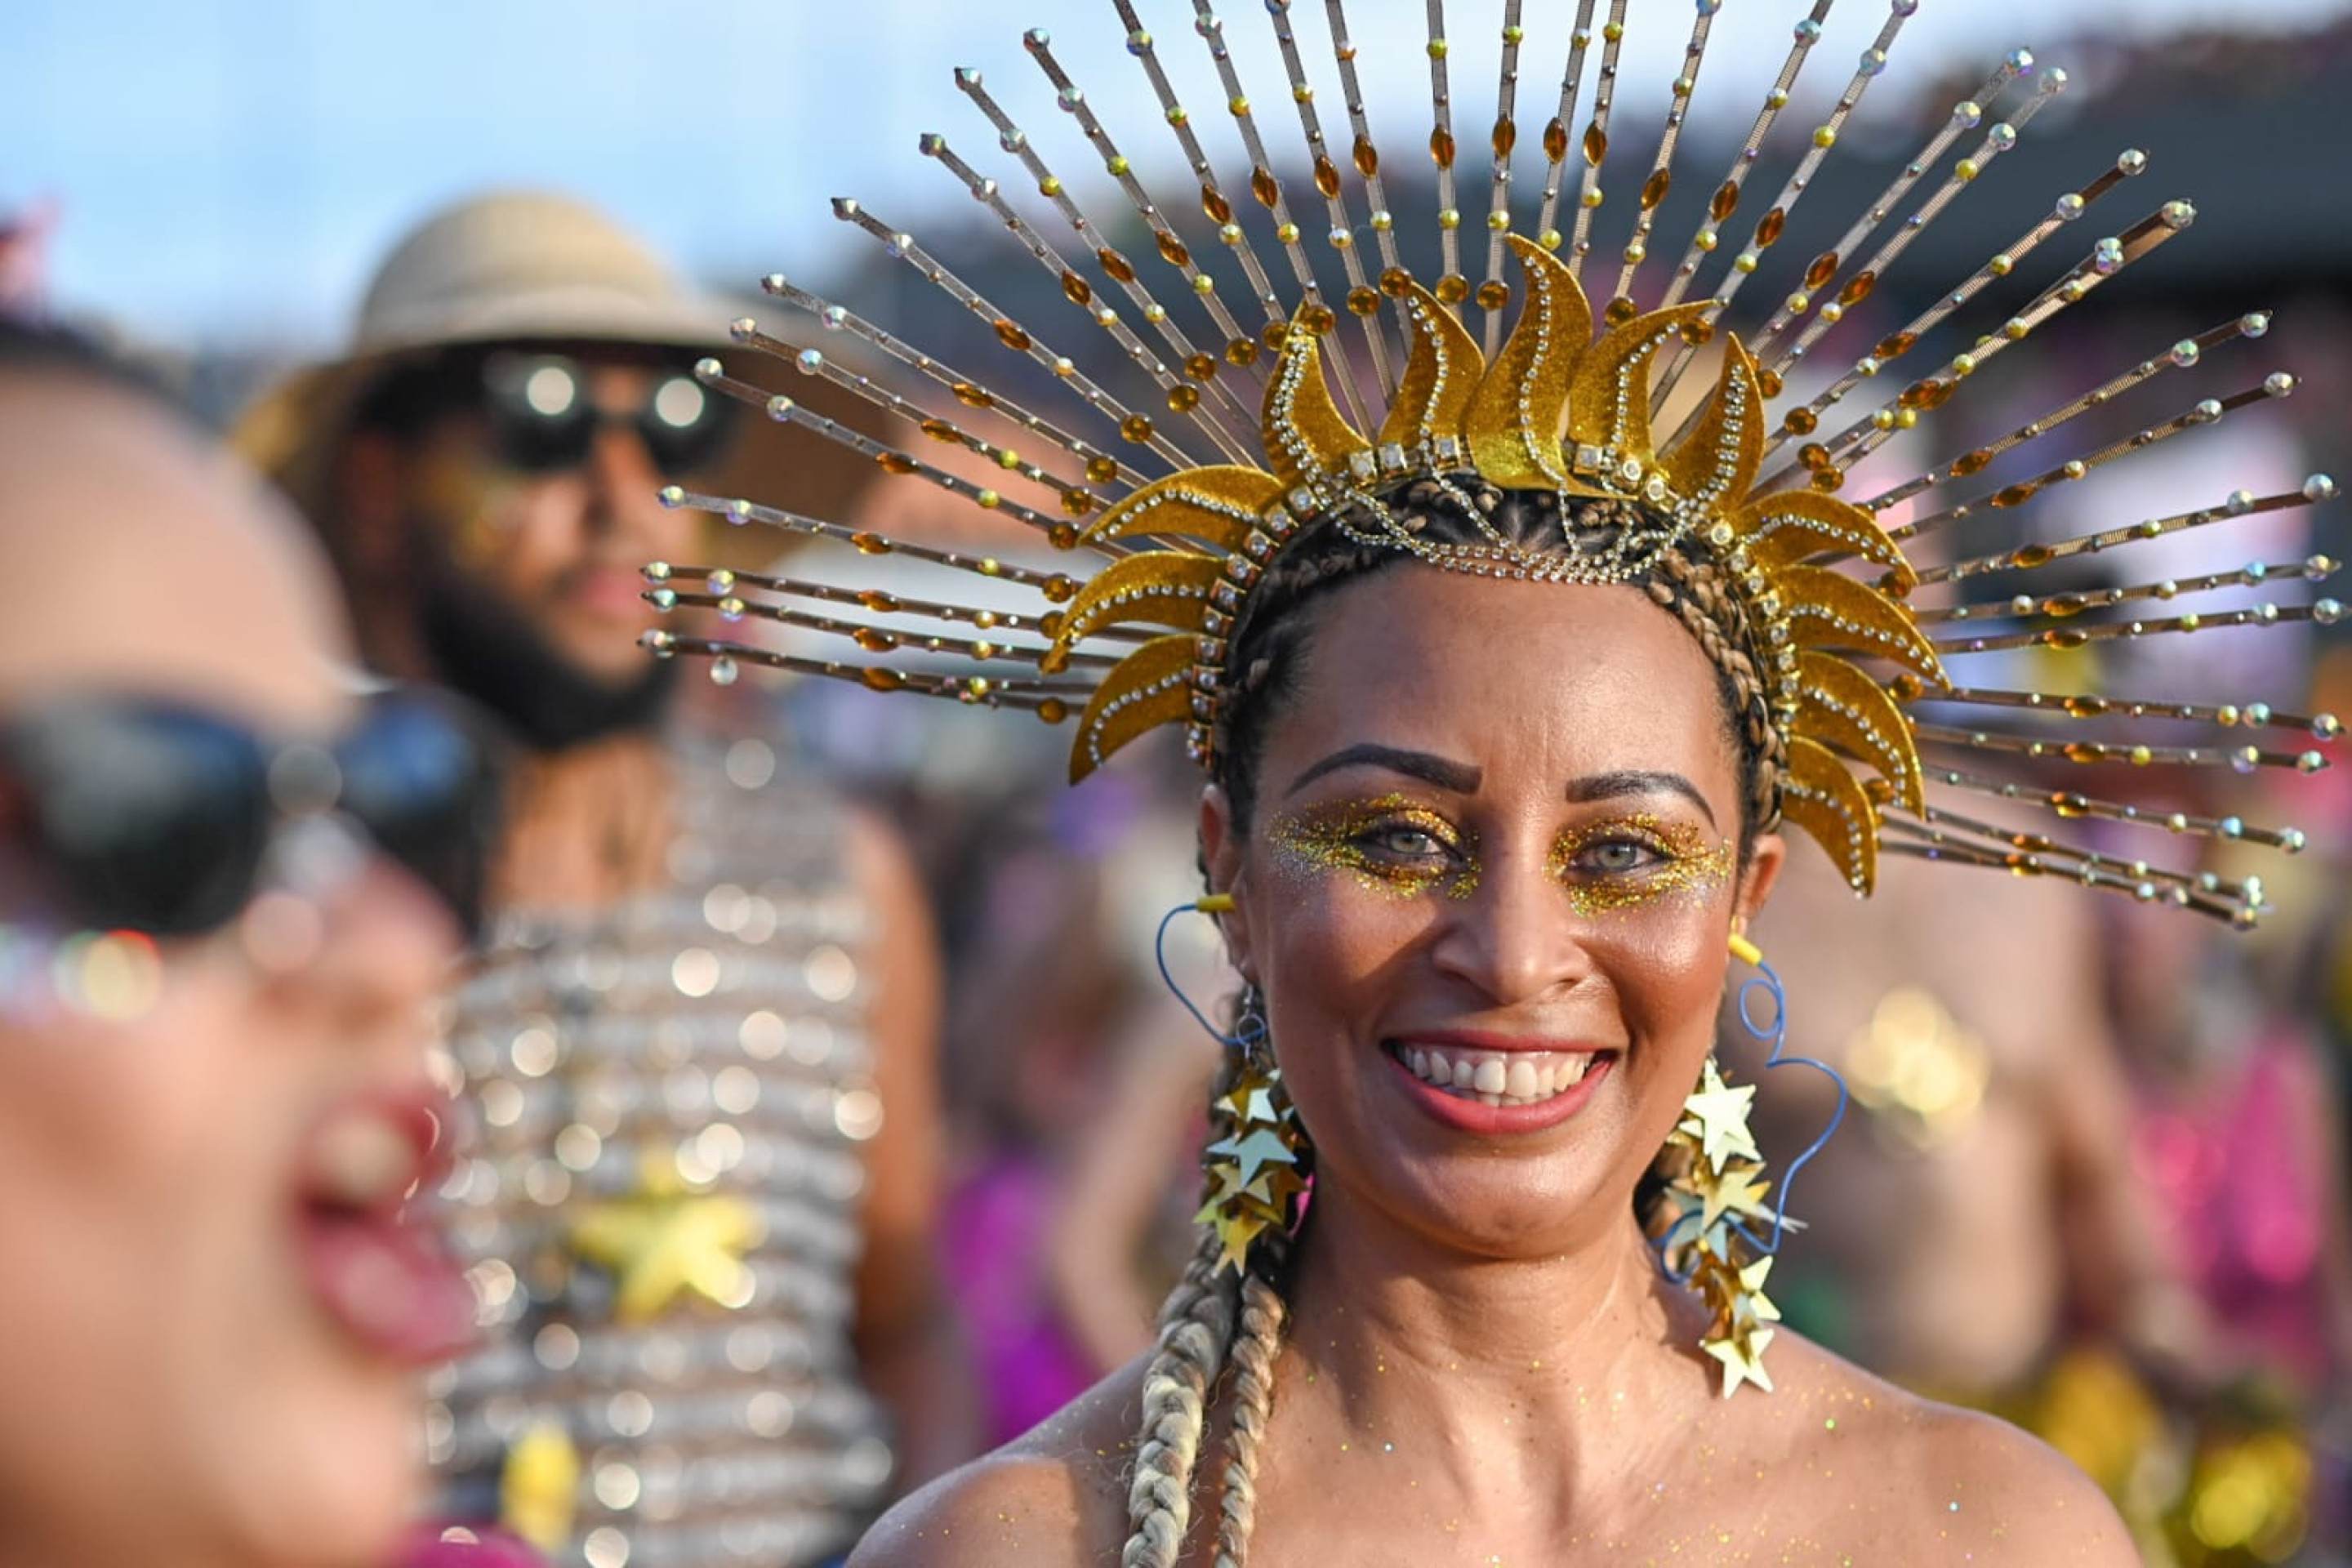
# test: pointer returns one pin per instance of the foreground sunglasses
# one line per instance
(544, 416)
(154, 816)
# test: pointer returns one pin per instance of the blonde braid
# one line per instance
(1264, 1316)
(1196, 1326)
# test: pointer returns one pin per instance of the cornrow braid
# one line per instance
(1699, 595)
(1264, 1315)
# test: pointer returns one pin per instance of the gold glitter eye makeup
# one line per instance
(1626, 863)
(1391, 845)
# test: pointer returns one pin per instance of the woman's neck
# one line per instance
(1500, 1370)
(586, 826)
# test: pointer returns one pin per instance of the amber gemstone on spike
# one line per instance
(1618, 311)
(939, 430)
(1768, 383)
(1829, 479)
(1010, 334)
(1394, 281)
(1596, 145)
(1053, 711)
(1326, 175)
(972, 396)
(1824, 268)
(2062, 606)
(1654, 188)
(1813, 455)
(1767, 228)
(1317, 319)
(1214, 202)
(877, 600)
(1453, 288)
(1274, 334)
(1895, 347)
(1079, 291)
(1242, 352)
(1440, 147)
(1801, 422)
(1135, 428)
(1079, 502)
(1857, 288)
(1173, 251)
(871, 544)
(1363, 302)
(1058, 590)
(897, 462)
(2027, 556)
(1264, 186)
(1200, 367)
(1062, 535)
(1555, 140)
(1506, 137)
(1697, 334)
(1102, 469)
(1368, 157)
(1925, 394)
(1050, 624)
(1880, 792)
(2017, 495)
(1906, 687)
(1968, 463)
(874, 641)
(880, 679)
(1114, 265)
(1725, 201)
(1183, 399)
(2087, 707)
(1493, 295)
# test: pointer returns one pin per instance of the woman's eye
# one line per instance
(1619, 854)
(1406, 843)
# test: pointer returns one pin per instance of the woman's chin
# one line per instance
(329, 1482)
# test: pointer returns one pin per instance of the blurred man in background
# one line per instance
(698, 1052)
(229, 889)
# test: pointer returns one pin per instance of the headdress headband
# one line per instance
(1211, 443)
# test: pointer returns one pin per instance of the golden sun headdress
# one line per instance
(1244, 415)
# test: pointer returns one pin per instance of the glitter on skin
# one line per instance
(1367, 840)
(1683, 863)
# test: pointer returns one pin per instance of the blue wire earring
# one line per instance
(1257, 1163)
(1720, 1193)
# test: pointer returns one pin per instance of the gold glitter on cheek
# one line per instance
(1357, 839)
(1679, 862)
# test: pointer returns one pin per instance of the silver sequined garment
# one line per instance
(689, 1073)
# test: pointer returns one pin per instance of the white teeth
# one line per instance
(362, 1160)
(1500, 1078)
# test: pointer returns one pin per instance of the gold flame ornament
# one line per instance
(1227, 414)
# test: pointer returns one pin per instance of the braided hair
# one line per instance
(1219, 1327)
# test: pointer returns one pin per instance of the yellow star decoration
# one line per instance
(665, 1240)
(1253, 1171)
(539, 1487)
(1723, 1185)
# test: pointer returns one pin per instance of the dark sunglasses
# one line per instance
(544, 416)
(154, 816)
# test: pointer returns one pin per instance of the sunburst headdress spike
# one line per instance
(1146, 546)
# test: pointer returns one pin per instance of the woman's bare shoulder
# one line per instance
(1926, 1482)
(1054, 1498)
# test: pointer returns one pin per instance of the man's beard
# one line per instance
(485, 649)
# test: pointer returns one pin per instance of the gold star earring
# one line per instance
(1257, 1170)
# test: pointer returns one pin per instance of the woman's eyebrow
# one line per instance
(1628, 780)
(1445, 774)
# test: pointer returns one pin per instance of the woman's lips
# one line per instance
(377, 1271)
(1495, 1084)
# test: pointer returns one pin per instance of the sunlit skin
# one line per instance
(175, 1393)
(1483, 1364)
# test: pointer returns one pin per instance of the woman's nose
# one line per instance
(1512, 938)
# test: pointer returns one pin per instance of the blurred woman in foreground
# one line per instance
(229, 892)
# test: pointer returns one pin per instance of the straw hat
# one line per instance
(532, 266)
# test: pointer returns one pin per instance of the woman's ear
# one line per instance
(1221, 853)
(1765, 859)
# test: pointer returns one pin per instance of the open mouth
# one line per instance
(1501, 1078)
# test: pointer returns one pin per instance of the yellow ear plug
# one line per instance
(1214, 904)
(1746, 951)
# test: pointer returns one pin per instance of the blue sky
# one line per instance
(230, 169)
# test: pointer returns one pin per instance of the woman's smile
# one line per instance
(1523, 1087)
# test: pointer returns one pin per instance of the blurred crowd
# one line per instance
(825, 1105)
